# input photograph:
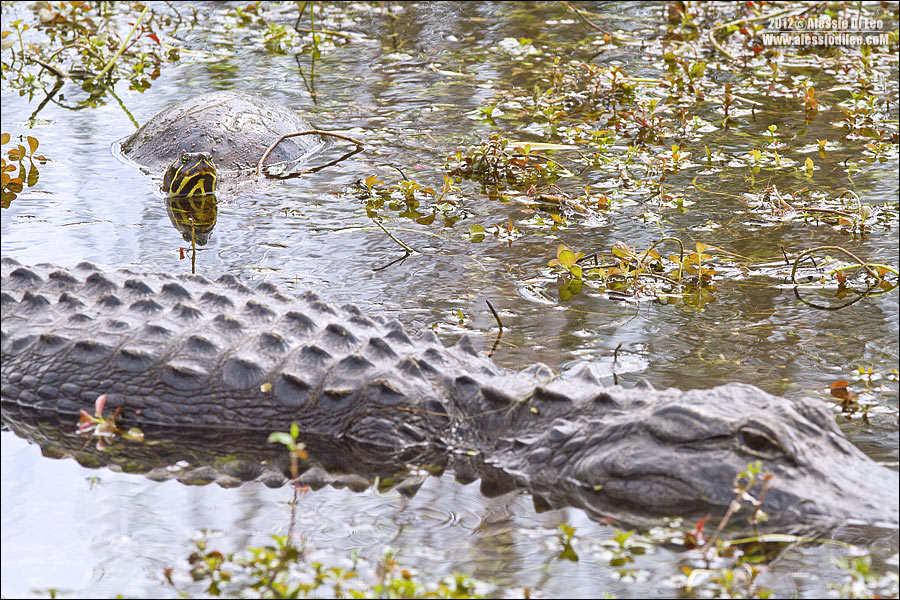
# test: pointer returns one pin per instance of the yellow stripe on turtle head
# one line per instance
(192, 174)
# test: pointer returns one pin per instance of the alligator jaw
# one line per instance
(659, 492)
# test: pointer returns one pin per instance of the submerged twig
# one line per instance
(809, 252)
(581, 16)
(59, 73)
(316, 169)
(349, 36)
(390, 235)
(494, 312)
(393, 262)
(499, 333)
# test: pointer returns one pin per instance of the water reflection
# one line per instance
(193, 216)
(231, 458)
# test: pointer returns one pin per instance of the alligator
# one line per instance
(182, 352)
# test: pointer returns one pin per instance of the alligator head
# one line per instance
(645, 452)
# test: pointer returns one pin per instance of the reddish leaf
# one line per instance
(840, 389)
(99, 403)
(700, 524)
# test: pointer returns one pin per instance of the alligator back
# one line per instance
(182, 351)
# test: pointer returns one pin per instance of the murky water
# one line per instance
(97, 532)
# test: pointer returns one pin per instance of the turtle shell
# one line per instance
(234, 127)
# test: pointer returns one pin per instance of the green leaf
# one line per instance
(566, 258)
(568, 553)
(33, 175)
(281, 437)
(568, 288)
(621, 537)
(371, 180)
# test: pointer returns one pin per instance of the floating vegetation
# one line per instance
(95, 45)
(506, 232)
(844, 212)
(636, 136)
(618, 118)
(92, 44)
(582, 88)
(497, 162)
(691, 278)
(315, 27)
(26, 177)
(104, 429)
(685, 278)
(407, 198)
(561, 206)
(839, 277)
(284, 570)
(712, 565)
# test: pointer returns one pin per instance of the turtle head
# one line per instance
(192, 174)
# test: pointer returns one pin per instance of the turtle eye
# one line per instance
(184, 158)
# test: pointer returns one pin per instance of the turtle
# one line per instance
(216, 140)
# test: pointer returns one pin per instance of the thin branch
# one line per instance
(496, 316)
(349, 36)
(390, 235)
(121, 49)
(859, 262)
(49, 67)
(269, 150)
(583, 18)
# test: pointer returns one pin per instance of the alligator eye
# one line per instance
(759, 443)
